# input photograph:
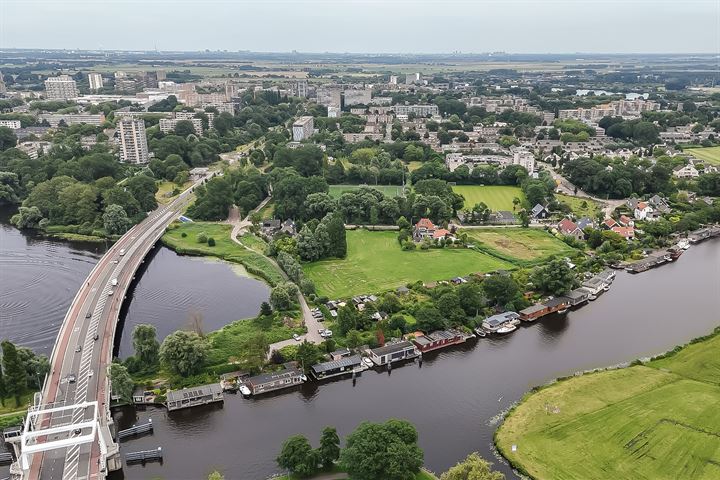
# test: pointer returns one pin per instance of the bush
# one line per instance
(211, 242)
(202, 237)
(183, 234)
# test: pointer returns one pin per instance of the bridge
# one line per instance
(68, 431)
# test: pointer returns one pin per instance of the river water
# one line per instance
(452, 398)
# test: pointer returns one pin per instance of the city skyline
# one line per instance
(369, 26)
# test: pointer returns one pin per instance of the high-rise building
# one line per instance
(3, 89)
(303, 128)
(302, 88)
(393, 80)
(95, 80)
(133, 141)
(62, 87)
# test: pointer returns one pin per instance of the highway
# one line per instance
(84, 347)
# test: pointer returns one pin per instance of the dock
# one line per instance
(136, 430)
(144, 456)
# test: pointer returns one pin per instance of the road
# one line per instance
(85, 342)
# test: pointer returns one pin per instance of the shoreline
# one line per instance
(518, 467)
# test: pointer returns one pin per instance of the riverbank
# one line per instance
(338, 474)
(623, 423)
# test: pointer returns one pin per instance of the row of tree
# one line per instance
(21, 371)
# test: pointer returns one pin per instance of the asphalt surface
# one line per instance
(85, 342)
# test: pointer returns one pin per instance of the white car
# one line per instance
(321, 331)
(114, 282)
(90, 373)
(110, 293)
(326, 334)
(296, 337)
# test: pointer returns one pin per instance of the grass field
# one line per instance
(165, 189)
(375, 263)
(708, 154)
(590, 208)
(224, 248)
(518, 244)
(389, 190)
(655, 421)
(495, 197)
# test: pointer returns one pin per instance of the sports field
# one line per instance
(494, 196)
(518, 243)
(708, 154)
(375, 263)
(655, 421)
(389, 190)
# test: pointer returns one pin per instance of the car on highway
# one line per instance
(77, 431)
(110, 293)
(122, 252)
(71, 378)
(88, 315)
(113, 282)
(79, 348)
(90, 373)
(115, 262)
(96, 337)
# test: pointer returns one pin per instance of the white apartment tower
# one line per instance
(96, 81)
(303, 128)
(133, 142)
(62, 87)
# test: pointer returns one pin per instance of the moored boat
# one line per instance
(480, 332)
(506, 328)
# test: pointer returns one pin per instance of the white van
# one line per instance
(122, 252)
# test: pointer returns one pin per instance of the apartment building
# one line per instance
(301, 88)
(11, 124)
(54, 119)
(329, 96)
(62, 87)
(133, 141)
(95, 80)
(303, 128)
(358, 97)
(167, 125)
(418, 110)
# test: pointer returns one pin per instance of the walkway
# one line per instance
(311, 323)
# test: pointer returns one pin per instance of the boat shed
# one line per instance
(336, 367)
(194, 396)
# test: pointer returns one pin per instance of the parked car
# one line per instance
(296, 337)
(326, 334)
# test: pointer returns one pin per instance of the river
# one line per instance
(452, 398)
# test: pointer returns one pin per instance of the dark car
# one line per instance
(88, 315)
(71, 378)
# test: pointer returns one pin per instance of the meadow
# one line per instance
(658, 420)
(390, 190)
(709, 154)
(582, 207)
(496, 197)
(518, 245)
(376, 263)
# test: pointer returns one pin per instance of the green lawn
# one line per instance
(164, 194)
(255, 263)
(581, 207)
(708, 154)
(495, 197)
(389, 190)
(518, 244)
(655, 421)
(375, 263)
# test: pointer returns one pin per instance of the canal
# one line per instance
(452, 399)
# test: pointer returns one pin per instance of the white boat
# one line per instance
(684, 244)
(245, 390)
(480, 332)
(507, 329)
(303, 378)
(368, 362)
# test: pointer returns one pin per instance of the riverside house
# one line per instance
(438, 339)
(194, 396)
(393, 352)
(268, 382)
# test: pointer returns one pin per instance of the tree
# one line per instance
(429, 319)
(298, 456)
(147, 348)
(337, 242)
(307, 245)
(382, 450)
(3, 389)
(7, 138)
(143, 188)
(347, 319)
(265, 309)
(283, 296)
(500, 289)
(555, 277)
(14, 371)
(9, 188)
(307, 355)
(215, 475)
(474, 467)
(115, 220)
(183, 128)
(121, 382)
(329, 451)
(184, 352)
(27, 217)
(214, 200)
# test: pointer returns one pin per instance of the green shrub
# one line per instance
(202, 237)
(183, 234)
(211, 242)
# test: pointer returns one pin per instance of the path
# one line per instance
(311, 323)
(566, 187)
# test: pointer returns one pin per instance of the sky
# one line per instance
(367, 26)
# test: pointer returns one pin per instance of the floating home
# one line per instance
(494, 323)
(341, 366)
(192, 397)
(439, 339)
(393, 352)
(577, 296)
(268, 382)
(533, 312)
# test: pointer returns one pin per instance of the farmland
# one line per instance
(518, 244)
(389, 190)
(658, 420)
(495, 197)
(710, 154)
(375, 263)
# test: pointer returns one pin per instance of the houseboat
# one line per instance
(341, 366)
(595, 285)
(683, 244)
(393, 352)
(607, 275)
(439, 339)
(194, 396)
(533, 312)
(289, 376)
(577, 297)
(494, 323)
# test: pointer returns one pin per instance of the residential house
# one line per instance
(626, 221)
(539, 212)
(660, 204)
(424, 228)
(686, 171)
(569, 228)
(288, 228)
(585, 222)
(626, 232)
(642, 210)
(393, 352)
(495, 322)
(270, 227)
(503, 217)
(609, 223)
